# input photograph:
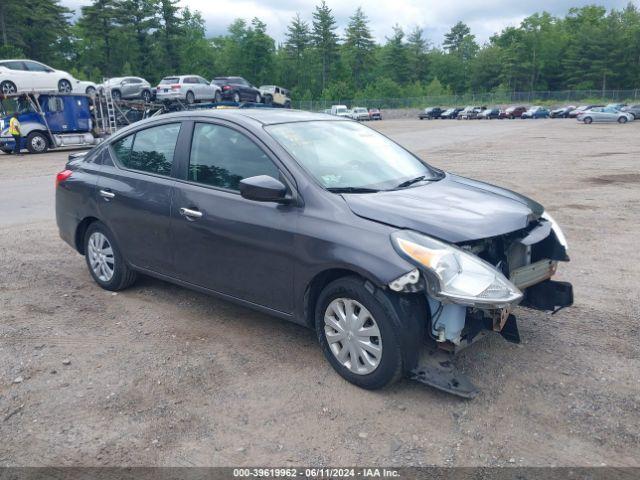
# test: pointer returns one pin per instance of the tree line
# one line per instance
(588, 48)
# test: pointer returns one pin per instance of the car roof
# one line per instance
(264, 116)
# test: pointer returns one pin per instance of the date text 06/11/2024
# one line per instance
(326, 472)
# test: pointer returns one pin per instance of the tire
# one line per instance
(378, 317)
(6, 150)
(633, 115)
(116, 95)
(587, 120)
(287, 104)
(8, 87)
(622, 120)
(90, 91)
(258, 98)
(98, 239)
(236, 97)
(37, 142)
(146, 96)
(190, 98)
(268, 100)
(218, 97)
(64, 86)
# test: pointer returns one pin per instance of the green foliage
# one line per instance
(590, 48)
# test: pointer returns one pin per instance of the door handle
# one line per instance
(190, 214)
(107, 195)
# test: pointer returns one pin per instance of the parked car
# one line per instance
(562, 112)
(470, 113)
(340, 111)
(21, 75)
(604, 114)
(190, 88)
(360, 114)
(582, 108)
(275, 95)
(634, 110)
(346, 233)
(128, 88)
(450, 113)
(513, 112)
(430, 113)
(375, 114)
(47, 120)
(536, 112)
(237, 89)
(489, 113)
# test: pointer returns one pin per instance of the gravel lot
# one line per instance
(160, 375)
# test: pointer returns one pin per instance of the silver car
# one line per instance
(604, 114)
(360, 114)
(190, 88)
(128, 88)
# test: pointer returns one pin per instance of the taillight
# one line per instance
(175, 87)
(226, 87)
(62, 176)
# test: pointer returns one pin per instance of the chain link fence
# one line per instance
(488, 99)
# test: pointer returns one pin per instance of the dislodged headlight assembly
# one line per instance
(455, 275)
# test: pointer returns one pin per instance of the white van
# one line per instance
(340, 110)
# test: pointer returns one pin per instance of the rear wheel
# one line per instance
(622, 120)
(64, 86)
(37, 143)
(236, 97)
(218, 97)
(104, 259)
(191, 98)
(268, 99)
(287, 104)
(116, 95)
(258, 98)
(146, 96)
(357, 334)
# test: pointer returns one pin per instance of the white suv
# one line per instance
(190, 88)
(21, 75)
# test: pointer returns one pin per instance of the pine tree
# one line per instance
(98, 25)
(396, 56)
(417, 55)
(358, 45)
(139, 17)
(325, 40)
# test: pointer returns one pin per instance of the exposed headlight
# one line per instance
(455, 275)
(556, 229)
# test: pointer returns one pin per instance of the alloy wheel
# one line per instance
(8, 88)
(38, 143)
(101, 256)
(353, 335)
(64, 86)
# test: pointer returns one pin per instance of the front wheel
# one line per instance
(236, 97)
(64, 86)
(357, 334)
(258, 98)
(8, 87)
(146, 96)
(191, 98)
(90, 91)
(622, 120)
(218, 97)
(588, 120)
(37, 143)
(268, 100)
(104, 259)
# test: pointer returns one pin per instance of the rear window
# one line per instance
(220, 81)
(150, 150)
(166, 80)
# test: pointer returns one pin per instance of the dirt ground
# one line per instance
(160, 375)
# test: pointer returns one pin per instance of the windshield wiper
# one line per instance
(352, 190)
(412, 181)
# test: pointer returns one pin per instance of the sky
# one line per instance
(436, 17)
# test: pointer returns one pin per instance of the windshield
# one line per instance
(348, 155)
(15, 104)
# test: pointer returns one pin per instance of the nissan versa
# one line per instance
(395, 264)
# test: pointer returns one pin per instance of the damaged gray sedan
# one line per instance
(395, 264)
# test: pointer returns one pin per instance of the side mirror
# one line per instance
(263, 188)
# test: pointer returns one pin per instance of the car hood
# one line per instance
(455, 209)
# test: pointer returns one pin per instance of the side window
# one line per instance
(150, 150)
(36, 67)
(221, 157)
(55, 104)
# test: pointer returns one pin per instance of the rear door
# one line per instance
(41, 76)
(135, 193)
(232, 245)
